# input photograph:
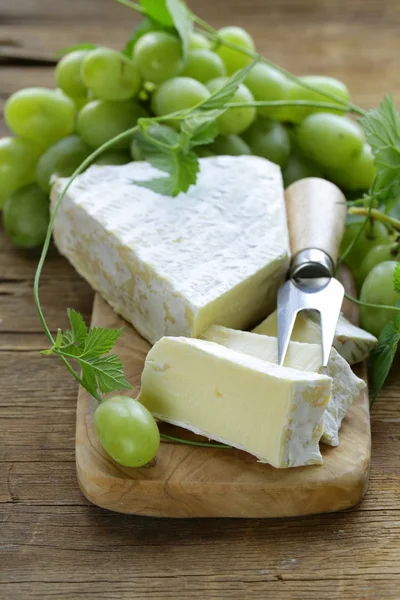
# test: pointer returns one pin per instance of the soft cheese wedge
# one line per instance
(306, 357)
(272, 412)
(174, 266)
(353, 343)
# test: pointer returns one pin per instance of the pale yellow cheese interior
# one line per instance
(272, 412)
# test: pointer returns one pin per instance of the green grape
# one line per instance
(178, 94)
(374, 233)
(298, 167)
(136, 151)
(127, 431)
(266, 83)
(375, 256)
(378, 288)
(101, 120)
(18, 160)
(61, 159)
(358, 174)
(296, 91)
(234, 120)
(40, 115)
(203, 65)
(158, 56)
(68, 74)
(113, 158)
(26, 216)
(331, 140)
(270, 140)
(80, 102)
(234, 59)
(110, 75)
(197, 41)
(230, 144)
(203, 151)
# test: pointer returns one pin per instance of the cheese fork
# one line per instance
(316, 214)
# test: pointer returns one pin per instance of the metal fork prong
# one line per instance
(286, 319)
(329, 318)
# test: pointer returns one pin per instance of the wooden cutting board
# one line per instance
(189, 481)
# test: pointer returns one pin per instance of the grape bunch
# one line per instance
(101, 92)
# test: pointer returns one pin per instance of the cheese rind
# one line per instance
(353, 343)
(304, 356)
(174, 266)
(272, 412)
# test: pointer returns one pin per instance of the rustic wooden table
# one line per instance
(54, 544)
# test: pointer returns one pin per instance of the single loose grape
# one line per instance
(110, 75)
(298, 167)
(378, 288)
(374, 233)
(113, 158)
(198, 41)
(234, 120)
(178, 94)
(323, 83)
(158, 56)
(266, 83)
(61, 159)
(40, 115)
(127, 431)
(375, 256)
(26, 216)
(18, 160)
(358, 174)
(101, 120)
(234, 59)
(203, 65)
(68, 74)
(331, 140)
(270, 140)
(229, 145)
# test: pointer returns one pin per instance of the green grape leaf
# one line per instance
(157, 10)
(182, 19)
(382, 129)
(181, 166)
(220, 97)
(200, 127)
(106, 371)
(396, 278)
(157, 135)
(382, 356)
(100, 340)
(146, 24)
(68, 49)
(78, 328)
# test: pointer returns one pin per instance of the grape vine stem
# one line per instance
(376, 215)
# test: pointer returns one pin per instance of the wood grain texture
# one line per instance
(316, 213)
(54, 544)
(189, 481)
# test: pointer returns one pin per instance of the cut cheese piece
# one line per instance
(353, 343)
(174, 266)
(307, 357)
(272, 412)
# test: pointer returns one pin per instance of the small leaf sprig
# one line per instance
(172, 153)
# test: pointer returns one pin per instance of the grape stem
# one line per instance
(369, 304)
(170, 438)
(377, 215)
(272, 103)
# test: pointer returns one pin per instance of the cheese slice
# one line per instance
(353, 343)
(174, 266)
(305, 357)
(272, 412)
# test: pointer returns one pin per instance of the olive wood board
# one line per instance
(193, 481)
